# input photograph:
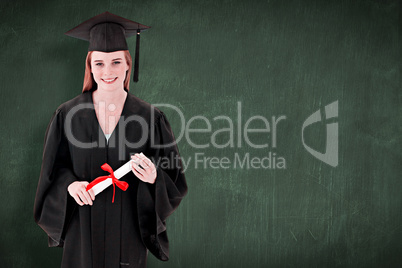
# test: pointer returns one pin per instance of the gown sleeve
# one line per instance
(157, 201)
(53, 206)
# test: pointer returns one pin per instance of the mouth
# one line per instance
(109, 81)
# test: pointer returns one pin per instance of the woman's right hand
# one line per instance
(78, 191)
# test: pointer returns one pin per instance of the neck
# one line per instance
(109, 97)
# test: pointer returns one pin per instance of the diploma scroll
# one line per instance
(118, 173)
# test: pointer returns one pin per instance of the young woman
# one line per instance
(107, 124)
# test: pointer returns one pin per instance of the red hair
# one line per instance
(89, 82)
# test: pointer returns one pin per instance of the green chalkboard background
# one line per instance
(271, 58)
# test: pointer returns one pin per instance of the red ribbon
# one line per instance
(121, 184)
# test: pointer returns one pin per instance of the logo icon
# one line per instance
(330, 156)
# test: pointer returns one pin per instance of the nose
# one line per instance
(108, 69)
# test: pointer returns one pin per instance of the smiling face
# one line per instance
(109, 69)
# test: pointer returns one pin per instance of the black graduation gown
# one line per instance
(108, 234)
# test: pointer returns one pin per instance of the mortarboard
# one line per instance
(107, 32)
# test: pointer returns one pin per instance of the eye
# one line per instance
(116, 62)
(99, 64)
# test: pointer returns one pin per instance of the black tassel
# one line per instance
(137, 57)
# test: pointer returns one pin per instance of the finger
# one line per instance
(144, 165)
(153, 170)
(135, 156)
(139, 171)
(76, 198)
(139, 175)
(83, 198)
(91, 193)
(143, 168)
(82, 186)
(135, 159)
(148, 164)
(145, 159)
(137, 168)
(149, 167)
(88, 197)
(145, 177)
(143, 155)
(138, 156)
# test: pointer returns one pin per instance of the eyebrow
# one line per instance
(102, 60)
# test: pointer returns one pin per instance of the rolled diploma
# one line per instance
(118, 173)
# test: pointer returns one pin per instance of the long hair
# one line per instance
(89, 82)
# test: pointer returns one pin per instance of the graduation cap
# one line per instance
(107, 32)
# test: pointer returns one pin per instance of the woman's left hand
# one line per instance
(147, 171)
